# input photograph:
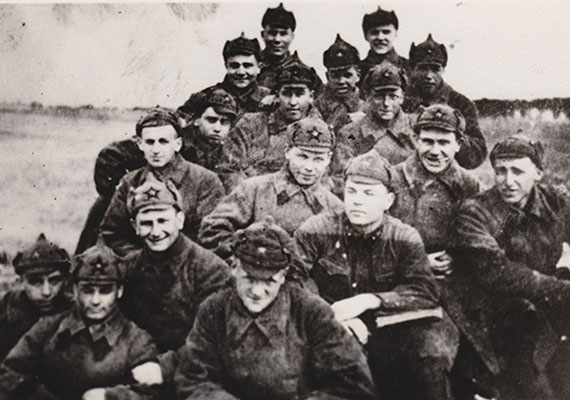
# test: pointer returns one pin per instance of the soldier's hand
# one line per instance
(148, 373)
(356, 116)
(441, 263)
(357, 328)
(94, 394)
(354, 306)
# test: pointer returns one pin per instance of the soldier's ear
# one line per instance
(134, 225)
(178, 141)
(180, 220)
(120, 290)
(390, 200)
(139, 142)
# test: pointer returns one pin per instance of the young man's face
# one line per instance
(277, 39)
(306, 166)
(365, 204)
(213, 126)
(381, 38)
(97, 300)
(437, 149)
(427, 77)
(159, 145)
(515, 178)
(343, 80)
(255, 293)
(386, 103)
(43, 288)
(294, 101)
(159, 227)
(242, 70)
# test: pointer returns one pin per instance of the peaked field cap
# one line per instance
(158, 116)
(340, 54)
(310, 133)
(279, 16)
(153, 194)
(519, 146)
(220, 100)
(43, 254)
(241, 46)
(428, 52)
(385, 76)
(370, 168)
(378, 18)
(297, 74)
(98, 264)
(263, 248)
(440, 116)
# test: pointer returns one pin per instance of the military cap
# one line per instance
(263, 248)
(242, 46)
(385, 76)
(370, 168)
(341, 54)
(519, 146)
(42, 255)
(97, 264)
(158, 116)
(428, 52)
(310, 133)
(378, 18)
(279, 16)
(440, 116)
(297, 74)
(153, 194)
(217, 98)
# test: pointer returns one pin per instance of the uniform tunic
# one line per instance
(61, 357)
(294, 349)
(270, 69)
(201, 190)
(335, 109)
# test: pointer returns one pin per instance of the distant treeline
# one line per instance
(493, 108)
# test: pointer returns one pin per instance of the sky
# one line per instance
(146, 54)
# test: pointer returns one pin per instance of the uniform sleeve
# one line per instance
(473, 150)
(212, 275)
(210, 192)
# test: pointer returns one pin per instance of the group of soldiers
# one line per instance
(280, 238)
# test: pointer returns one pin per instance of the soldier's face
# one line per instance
(386, 103)
(213, 126)
(277, 39)
(97, 300)
(307, 167)
(256, 293)
(365, 204)
(242, 70)
(427, 77)
(43, 288)
(381, 38)
(295, 101)
(343, 80)
(159, 145)
(515, 178)
(159, 228)
(436, 149)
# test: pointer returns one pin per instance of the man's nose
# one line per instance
(46, 289)
(96, 298)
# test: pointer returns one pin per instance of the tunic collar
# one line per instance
(172, 171)
(398, 129)
(286, 188)
(169, 259)
(110, 329)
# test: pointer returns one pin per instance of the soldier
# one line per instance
(91, 351)
(290, 195)
(264, 339)
(339, 102)
(385, 127)
(369, 264)
(380, 31)
(427, 62)
(241, 58)
(509, 240)
(159, 139)
(171, 275)
(43, 268)
(278, 33)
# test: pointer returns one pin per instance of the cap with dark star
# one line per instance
(428, 52)
(340, 54)
(279, 17)
(519, 146)
(384, 76)
(153, 195)
(441, 116)
(297, 74)
(241, 46)
(158, 116)
(370, 168)
(378, 18)
(98, 264)
(311, 133)
(42, 255)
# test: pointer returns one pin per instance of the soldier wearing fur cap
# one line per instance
(427, 62)
(290, 345)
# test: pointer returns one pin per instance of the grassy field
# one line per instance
(46, 171)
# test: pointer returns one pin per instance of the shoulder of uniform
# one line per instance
(326, 222)
(400, 230)
(306, 301)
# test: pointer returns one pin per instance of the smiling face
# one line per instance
(43, 288)
(386, 103)
(277, 39)
(97, 300)
(515, 178)
(158, 227)
(381, 38)
(365, 204)
(213, 126)
(159, 145)
(437, 149)
(295, 101)
(306, 166)
(343, 80)
(242, 70)
(256, 293)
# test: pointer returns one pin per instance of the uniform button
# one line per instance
(354, 285)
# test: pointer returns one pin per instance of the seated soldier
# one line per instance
(159, 139)
(290, 195)
(339, 102)
(427, 62)
(171, 275)
(43, 268)
(89, 352)
(241, 59)
(264, 339)
(385, 127)
(368, 265)
(508, 242)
